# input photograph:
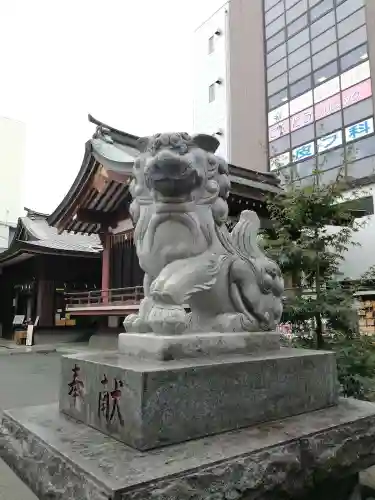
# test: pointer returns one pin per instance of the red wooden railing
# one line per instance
(111, 297)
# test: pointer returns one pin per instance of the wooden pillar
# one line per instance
(106, 270)
(44, 302)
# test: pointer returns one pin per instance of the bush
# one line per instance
(355, 356)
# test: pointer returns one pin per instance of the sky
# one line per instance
(127, 62)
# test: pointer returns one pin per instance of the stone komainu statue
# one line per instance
(191, 262)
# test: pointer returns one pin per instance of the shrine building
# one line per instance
(98, 204)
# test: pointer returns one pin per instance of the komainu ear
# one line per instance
(206, 142)
(142, 144)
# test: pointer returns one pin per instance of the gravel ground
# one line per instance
(26, 380)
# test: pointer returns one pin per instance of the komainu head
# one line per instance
(176, 167)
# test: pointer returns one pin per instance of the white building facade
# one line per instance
(229, 90)
(12, 156)
(210, 79)
(360, 257)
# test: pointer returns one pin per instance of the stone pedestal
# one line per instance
(202, 345)
(148, 404)
(314, 456)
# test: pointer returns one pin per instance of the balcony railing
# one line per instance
(100, 298)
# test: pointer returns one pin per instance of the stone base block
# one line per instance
(169, 347)
(311, 456)
(148, 404)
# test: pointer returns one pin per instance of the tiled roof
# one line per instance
(65, 245)
(43, 235)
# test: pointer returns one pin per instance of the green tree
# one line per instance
(312, 231)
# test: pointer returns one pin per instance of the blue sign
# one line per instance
(358, 130)
(303, 152)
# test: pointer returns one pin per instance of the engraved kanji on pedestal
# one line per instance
(109, 401)
(76, 388)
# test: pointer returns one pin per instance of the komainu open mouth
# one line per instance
(172, 178)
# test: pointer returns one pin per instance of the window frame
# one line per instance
(212, 93)
(346, 58)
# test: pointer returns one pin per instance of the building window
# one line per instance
(290, 3)
(313, 2)
(211, 92)
(325, 56)
(276, 69)
(211, 44)
(302, 135)
(276, 54)
(327, 89)
(278, 84)
(306, 168)
(359, 130)
(321, 9)
(275, 26)
(328, 124)
(302, 102)
(348, 8)
(351, 23)
(355, 75)
(280, 161)
(361, 149)
(330, 141)
(301, 119)
(297, 10)
(323, 24)
(276, 40)
(303, 152)
(327, 107)
(278, 99)
(300, 71)
(330, 176)
(358, 111)
(299, 55)
(298, 40)
(279, 114)
(269, 3)
(358, 37)
(356, 94)
(300, 87)
(322, 41)
(297, 25)
(332, 159)
(285, 175)
(361, 168)
(274, 13)
(354, 57)
(278, 130)
(280, 145)
(326, 72)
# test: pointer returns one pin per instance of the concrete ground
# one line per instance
(26, 380)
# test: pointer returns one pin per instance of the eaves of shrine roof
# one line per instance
(99, 197)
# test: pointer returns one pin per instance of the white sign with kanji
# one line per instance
(280, 161)
(303, 152)
(330, 141)
(358, 130)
